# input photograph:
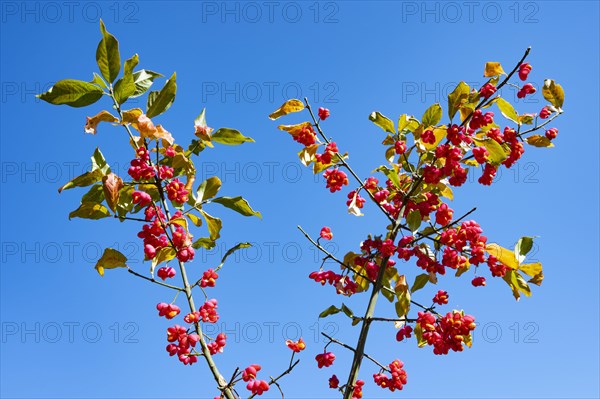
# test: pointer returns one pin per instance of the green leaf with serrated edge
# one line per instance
(107, 55)
(143, 80)
(432, 116)
(347, 311)
(110, 259)
(204, 242)
(496, 152)
(231, 251)
(99, 162)
(208, 189)
(420, 281)
(125, 87)
(164, 254)
(523, 247)
(84, 180)
(414, 220)
(329, 311)
(507, 110)
(97, 79)
(95, 195)
(74, 93)
(229, 136)
(459, 95)
(382, 121)
(553, 93)
(238, 204)
(162, 100)
(195, 219)
(90, 211)
(214, 225)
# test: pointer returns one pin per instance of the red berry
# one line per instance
(545, 112)
(441, 297)
(325, 359)
(326, 233)
(524, 70)
(552, 133)
(478, 281)
(166, 272)
(296, 346)
(323, 113)
(336, 179)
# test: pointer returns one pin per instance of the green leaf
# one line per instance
(204, 242)
(110, 259)
(329, 311)
(90, 211)
(347, 311)
(208, 189)
(142, 80)
(420, 281)
(391, 174)
(230, 137)
(159, 102)
(107, 55)
(382, 121)
(508, 110)
(99, 162)
(201, 119)
(523, 247)
(125, 87)
(553, 93)
(433, 115)
(421, 342)
(458, 96)
(406, 122)
(84, 180)
(496, 152)
(517, 283)
(231, 251)
(195, 219)
(214, 225)
(238, 204)
(414, 220)
(125, 204)
(74, 93)
(99, 81)
(95, 195)
(164, 254)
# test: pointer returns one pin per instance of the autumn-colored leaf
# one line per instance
(102, 116)
(493, 69)
(111, 184)
(288, 107)
(110, 259)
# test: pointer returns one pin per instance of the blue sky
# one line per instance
(68, 333)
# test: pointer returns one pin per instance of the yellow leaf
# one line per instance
(554, 93)
(294, 129)
(539, 141)
(92, 123)
(505, 256)
(493, 69)
(288, 107)
(440, 134)
(307, 154)
(535, 271)
(110, 259)
(131, 116)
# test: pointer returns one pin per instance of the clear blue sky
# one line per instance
(68, 333)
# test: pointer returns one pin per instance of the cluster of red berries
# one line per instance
(447, 333)
(330, 150)
(296, 346)
(323, 113)
(487, 90)
(397, 380)
(208, 311)
(140, 168)
(168, 310)
(441, 297)
(176, 191)
(343, 284)
(166, 272)
(306, 136)
(325, 359)
(257, 387)
(209, 278)
(181, 344)
(154, 236)
(336, 179)
(404, 332)
(218, 344)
